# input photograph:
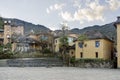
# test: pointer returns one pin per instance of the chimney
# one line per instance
(118, 18)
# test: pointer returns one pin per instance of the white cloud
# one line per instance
(93, 11)
(76, 3)
(51, 7)
(113, 4)
(55, 7)
(58, 6)
(47, 10)
(66, 16)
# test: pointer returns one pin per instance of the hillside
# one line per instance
(107, 29)
(28, 26)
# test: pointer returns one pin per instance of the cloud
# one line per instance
(47, 10)
(76, 3)
(55, 7)
(113, 4)
(66, 16)
(93, 11)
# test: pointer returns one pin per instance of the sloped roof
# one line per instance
(93, 34)
(24, 39)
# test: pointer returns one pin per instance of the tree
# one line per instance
(43, 43)
(1, 23)
(64, 45)
(82, 37)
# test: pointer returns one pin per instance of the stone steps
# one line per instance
(31, 62)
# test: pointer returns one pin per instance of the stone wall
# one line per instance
(94, 64)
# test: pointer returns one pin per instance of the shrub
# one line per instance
(46, 51)
(72, 60)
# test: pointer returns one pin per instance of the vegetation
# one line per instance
(47, 51)
(1, 23)
(32, 55)
(5, 51)
(82, 37)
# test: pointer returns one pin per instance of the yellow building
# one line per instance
(96, 46)
(117, 25)
(71, 38)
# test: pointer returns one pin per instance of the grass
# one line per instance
(32, 55)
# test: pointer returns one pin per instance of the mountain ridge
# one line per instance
(106, 29)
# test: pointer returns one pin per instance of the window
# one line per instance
(97, 43)
(96, 54)
(70, 39)
(56, 41)
(81, 54)
(43, 37)
(80, 45)
(72, 53)
(85, 45)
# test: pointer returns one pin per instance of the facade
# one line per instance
(71, 38)
(97, 46)
(117, 25)
(56, 44)
(93, 49)
(1, 36)
(34, 42)
(9, 30)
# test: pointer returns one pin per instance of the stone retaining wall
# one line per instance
(103, 64)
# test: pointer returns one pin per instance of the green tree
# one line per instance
(64, 47)
(82, 37)
(1, 23)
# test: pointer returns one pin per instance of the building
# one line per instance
(71, 38)
(10, 29)
(34, 42)
(117, 25)
(97, 46)
(1, 36)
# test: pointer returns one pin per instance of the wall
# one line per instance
(94, 64)
(7, 31)
(72, 52)
(118, 45)
(89, 51)
(56, 42)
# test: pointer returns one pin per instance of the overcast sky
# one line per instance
(77, 13)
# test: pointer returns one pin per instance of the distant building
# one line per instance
(34, 42)
(10, 29)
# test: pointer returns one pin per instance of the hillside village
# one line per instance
(92, 44)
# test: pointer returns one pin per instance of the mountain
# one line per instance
(108, 30)
(27, 25)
